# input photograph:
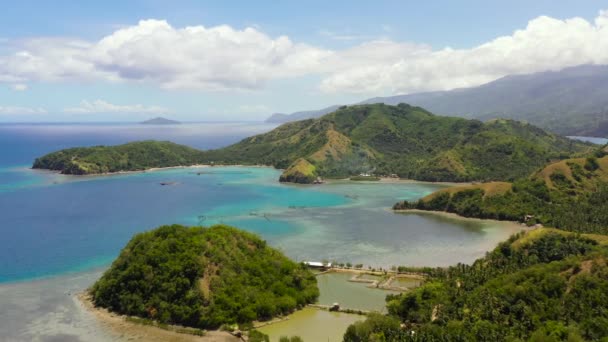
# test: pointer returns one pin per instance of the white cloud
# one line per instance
(10, 110)
(101, 106)
(153, 51)
(19, 87)
(225, 58)
(545, 44)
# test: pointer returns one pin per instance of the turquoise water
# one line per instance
(67, 229)
(54, 224)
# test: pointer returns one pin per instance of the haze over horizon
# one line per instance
(222, 61)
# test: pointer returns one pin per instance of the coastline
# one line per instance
(128, 330)
(458, 217)
(153, 169)
(382, 180)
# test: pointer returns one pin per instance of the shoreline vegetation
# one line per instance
(539, 285)
(202, 166)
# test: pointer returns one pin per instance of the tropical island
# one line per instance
(203, 278)
(405, 141)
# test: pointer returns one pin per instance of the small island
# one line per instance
(160, 121)
(203, 278)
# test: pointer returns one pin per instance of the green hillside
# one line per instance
(570, 194)
(403, 140)
(203, 277)
(133, 156)
(534, 287)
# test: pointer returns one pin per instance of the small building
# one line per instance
(317, 265)
(334, 307)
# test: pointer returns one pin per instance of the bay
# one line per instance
(59, 232)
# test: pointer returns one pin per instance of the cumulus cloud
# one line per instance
(225, 58)
(10, 110)
(545, 44)
(101, 106)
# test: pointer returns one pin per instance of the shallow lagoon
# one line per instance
(312, 325)
(335, 288)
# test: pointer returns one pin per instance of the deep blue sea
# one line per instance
(58, 233)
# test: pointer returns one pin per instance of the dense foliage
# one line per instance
(203, 277)
(570, 195)
(133, 156)
(549, 287)
(403, 140)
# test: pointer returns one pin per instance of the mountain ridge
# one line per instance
(571, 101)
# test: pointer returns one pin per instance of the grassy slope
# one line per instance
(405, 140)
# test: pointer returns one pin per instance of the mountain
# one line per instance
(203, 278)
(135, 156)
(404, 140)
(570, 194)
(160, 121)
(572, 101)
(282, 118)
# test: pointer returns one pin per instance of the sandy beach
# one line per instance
(458, 217)
(131, 331)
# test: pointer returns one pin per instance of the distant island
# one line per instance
(160, 121)
(400, 141)
(203, 278)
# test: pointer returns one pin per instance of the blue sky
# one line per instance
(243, 60)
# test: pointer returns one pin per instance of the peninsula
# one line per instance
(203, 278)
(571, 194)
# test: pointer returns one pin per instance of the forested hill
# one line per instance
(570, 194)
(203, 278)
(545, 285)
(404, 140)
(133, 156)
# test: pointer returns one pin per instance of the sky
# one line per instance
(227, 60)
